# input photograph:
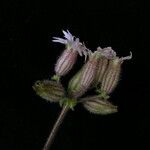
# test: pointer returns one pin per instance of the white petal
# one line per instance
(127, 57)
(71, 37)
(68, 36)
(79, 51)
(99, 49)
(59, 40)
(85, 54)
(76, 43)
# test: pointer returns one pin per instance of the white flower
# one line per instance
(71, 43)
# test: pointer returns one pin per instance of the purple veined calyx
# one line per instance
(81, 82)
(112, 74)
(105, 55)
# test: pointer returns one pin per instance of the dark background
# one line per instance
(27, 54)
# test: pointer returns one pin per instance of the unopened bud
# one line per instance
(89, 70)
(81, 82)
(106, 54)
(69, 56)
(49, 90)
(111, 76)
(96, 105)
(74, 87)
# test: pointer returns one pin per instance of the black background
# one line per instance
(27, 54)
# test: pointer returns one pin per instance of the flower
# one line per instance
(69, 56)
(111, 75)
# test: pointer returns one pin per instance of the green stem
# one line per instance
(56, 126)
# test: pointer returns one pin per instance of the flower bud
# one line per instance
(49, 90)
(69, 56)
(111, 76)
(99, 106)
(106, 54)
(81, 82)
(89, 71)
(74, 89)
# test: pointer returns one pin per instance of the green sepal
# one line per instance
(98, 106)
(102, 94)
(70, 103)
(55, 78)
(49, 90)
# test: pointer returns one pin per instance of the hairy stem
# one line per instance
(56, 126)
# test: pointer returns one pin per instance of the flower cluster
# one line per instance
(100, 71)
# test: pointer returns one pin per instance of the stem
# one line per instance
(55, 128)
